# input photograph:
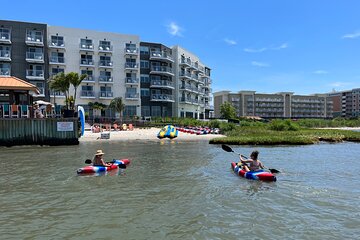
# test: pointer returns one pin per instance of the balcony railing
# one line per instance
(185, 75)
(35, 73)
(57, 44)
(106, 94)
(4, 71)
(105, 48)
(161, 69)
(34, 40)
(134, 96)
(162, 83)
(89, 78)
(106, 63)
(131, 51)
(35, 56)
(5, 38)
(161, 55)
(57, 60)
(131, 65)
(90, 94)
(132, 80)
(87, 46)
(5, 54)
(185, 62)
(107, 79)
(87, 62)
(162, 98)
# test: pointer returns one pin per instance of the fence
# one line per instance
(39, 131)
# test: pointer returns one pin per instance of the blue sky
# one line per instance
(308, 46)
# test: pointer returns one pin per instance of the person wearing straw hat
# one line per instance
(98, 160)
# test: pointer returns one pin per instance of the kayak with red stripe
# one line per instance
(99, 169)
(261, 174)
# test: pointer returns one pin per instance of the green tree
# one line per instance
(118, 105)
(61, 82)
(227, 110)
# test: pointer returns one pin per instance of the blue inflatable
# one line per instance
(169, 131)
(81, 114)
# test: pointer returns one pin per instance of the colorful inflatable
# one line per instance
(258, 175)
(168, 131)
(99, 169)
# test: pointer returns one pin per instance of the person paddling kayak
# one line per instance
(255, 164)
(98, 160)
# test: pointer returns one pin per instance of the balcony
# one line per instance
(86, 63)
(4, 72)
(163, 70)
(86, 47)
(105, 79)
(35, 74)
(131, 81)
(89, 79)
(106, 94)
(162, 84)
(161, 56)
(185, 100)
(189, 88)
(129, 51)
(105, 64)
(87, 94)
(57, 44)
(185, 75)
(34, 40)
(5, 38)
(162, 98)
(185, 62)
(5, 55)
(131, 66)
(105, 48)
(35, 57)
(57, 60)
(132, 96)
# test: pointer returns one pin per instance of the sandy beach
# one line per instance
(144, 134)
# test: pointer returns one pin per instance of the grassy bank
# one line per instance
(282, 132)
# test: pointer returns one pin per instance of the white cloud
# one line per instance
(230, 41)
(174, 29)
(254, 50)
(339, 84)
(320, 72)
(356, 34)
(260, 64)
(258, 50)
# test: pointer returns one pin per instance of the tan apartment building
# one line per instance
(277, 105)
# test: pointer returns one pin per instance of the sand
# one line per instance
(145, 134)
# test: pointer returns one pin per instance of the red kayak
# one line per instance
(257, 175)
(99, 169)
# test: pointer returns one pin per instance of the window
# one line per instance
(144, 64)
(144, 50)
(87, 88)
(34, 36)
(105, 45)
(5, 51)
(86, 43)
(89, 74)
(145, 111)
(130, 111)
(57, 57)
(156, 111)
(4, 69)
(144, 78)
(57, 41)
(55, 71)
(40, 86)
(144, 92)
(4, 34)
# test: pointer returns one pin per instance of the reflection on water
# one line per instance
(177, 190)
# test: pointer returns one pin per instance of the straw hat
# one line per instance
(99, 152)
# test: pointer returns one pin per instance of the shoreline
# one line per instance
(144, 134)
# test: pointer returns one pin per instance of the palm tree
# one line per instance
(74, 79)
(61, 84)
(118, 105)
(96, 106)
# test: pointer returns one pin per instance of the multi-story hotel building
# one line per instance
(278, 105)
(154, 80)
(23, 52)
(346, 103)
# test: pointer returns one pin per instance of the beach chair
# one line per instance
(14, 111)
(24, 111)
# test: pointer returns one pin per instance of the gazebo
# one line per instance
(16, 91)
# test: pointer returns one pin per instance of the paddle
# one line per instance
(229, 149)
(122, 166)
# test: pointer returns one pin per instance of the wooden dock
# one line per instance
(39, 131)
